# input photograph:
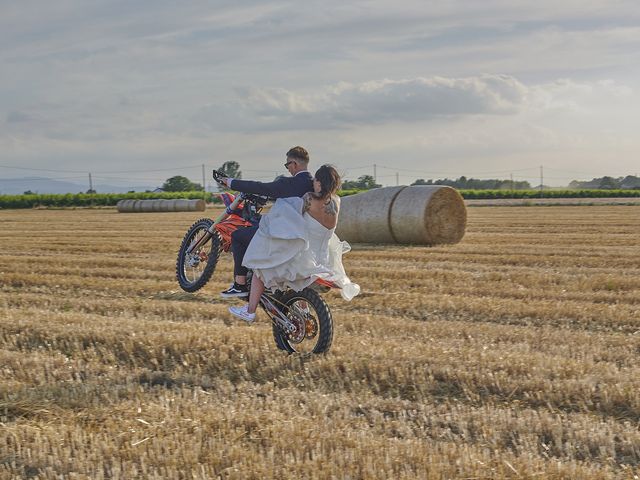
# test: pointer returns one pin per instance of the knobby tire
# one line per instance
(214, 245)
(325, 321)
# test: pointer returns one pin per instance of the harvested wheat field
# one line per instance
(513, 354)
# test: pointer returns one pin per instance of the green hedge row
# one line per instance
(110, 199)
(489, 194)
(86, 199)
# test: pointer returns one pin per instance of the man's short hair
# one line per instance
(299, 153)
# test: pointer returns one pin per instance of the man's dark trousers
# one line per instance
(240, 240)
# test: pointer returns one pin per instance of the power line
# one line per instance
(43, 169)
(35, 179)
(455, 173)
(103, 171)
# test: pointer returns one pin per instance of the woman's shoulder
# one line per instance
(306, 201)
(332, 206)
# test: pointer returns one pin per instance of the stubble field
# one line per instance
(513, 354)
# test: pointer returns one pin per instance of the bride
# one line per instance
(296, 244)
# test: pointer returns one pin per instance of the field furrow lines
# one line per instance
(513, 354)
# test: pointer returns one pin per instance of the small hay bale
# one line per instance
(146, 205)
(419, 214)
(177, 205)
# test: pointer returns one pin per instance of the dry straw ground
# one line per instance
(513, 354)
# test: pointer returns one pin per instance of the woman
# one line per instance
(296, 244)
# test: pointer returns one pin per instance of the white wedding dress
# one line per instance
(292, 249)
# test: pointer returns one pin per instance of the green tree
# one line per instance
(180, 184)
(608, 183)
(231, 169)
(421, 181)
(364, 182)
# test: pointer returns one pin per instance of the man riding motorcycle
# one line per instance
(300, 182)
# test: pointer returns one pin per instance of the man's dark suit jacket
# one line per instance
(283, 187)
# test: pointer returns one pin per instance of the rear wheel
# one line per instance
(193, 270)
(311, 316)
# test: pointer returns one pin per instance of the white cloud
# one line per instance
(373, 102)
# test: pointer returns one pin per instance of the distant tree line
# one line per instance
(367, 182)
(465, 183)
(630, 182)
(364, 182)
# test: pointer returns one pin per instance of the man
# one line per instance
(300, 182)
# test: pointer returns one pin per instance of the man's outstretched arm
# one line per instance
(276, 189)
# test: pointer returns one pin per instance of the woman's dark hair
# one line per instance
(329, 180)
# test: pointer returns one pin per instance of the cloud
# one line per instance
(103, 81)
(372, 102)
(19, 117)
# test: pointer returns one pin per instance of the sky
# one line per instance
(138, 91)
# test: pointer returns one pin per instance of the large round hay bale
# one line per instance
(420, 214)
(364, 217)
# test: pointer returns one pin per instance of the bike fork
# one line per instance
(212, 229)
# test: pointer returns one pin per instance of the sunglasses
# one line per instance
(289, 163)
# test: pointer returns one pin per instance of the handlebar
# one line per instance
(218, 176)
(251, 197)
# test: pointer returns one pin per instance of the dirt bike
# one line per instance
(301, 321)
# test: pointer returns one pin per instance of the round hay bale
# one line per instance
(124, 206)
(155, 206)
(164, 205)
(419, 214)
(428, 215)
(135, 206)
(147, 205)
(197, 205)
(364, 217)
(176, 205)
(180, 205)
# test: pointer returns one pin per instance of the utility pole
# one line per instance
(397, 179)
(204, 186)
(375, 176)
(512, 189)
(541, 181)
(91, 189)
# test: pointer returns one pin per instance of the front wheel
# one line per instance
(193, 270)
(308, 311)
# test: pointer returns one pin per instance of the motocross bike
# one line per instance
(301, 321)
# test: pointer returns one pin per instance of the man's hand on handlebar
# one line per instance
(220, 178)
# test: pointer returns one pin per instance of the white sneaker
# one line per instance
(243, 313)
